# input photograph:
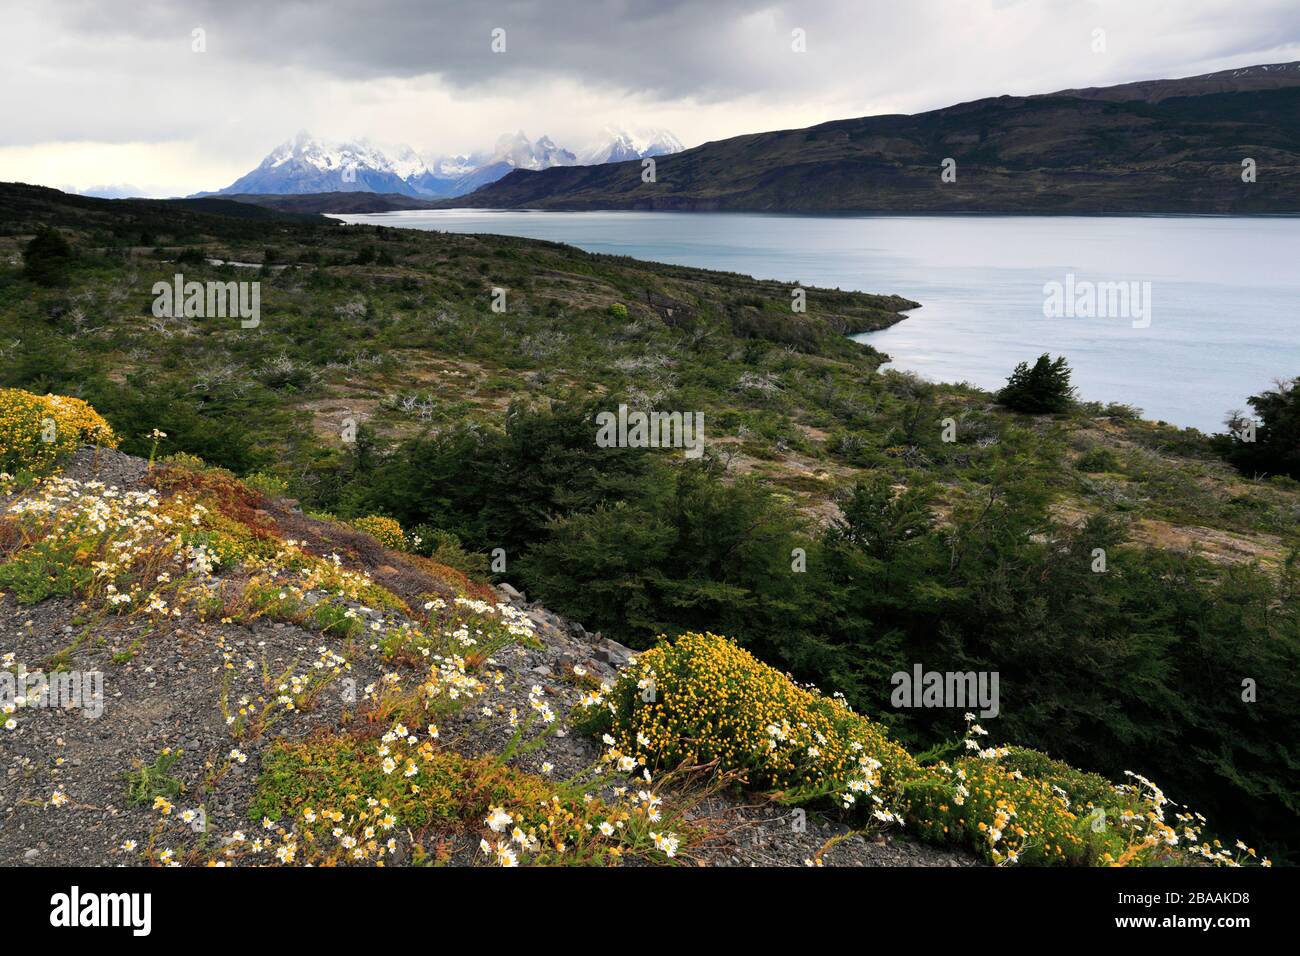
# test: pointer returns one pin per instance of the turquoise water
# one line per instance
(1224, 304)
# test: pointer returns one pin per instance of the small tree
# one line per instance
(1274, 446)
(46, 258)
(1043, 388)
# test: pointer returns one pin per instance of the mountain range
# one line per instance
(1218, 143)
(307, 165)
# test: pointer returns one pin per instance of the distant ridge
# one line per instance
(307, 165)
(1272, 76)
(31, 203)
(335, 202)
(1159, 146)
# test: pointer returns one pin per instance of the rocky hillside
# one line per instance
(1267, 76)
(218, 712)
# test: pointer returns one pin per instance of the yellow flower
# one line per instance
(36, 431)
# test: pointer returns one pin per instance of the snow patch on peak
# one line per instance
(617, 145)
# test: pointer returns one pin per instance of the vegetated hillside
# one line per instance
(829, 527)
(349, 202)
(1267, 76)
(1172, 146)
(433, 721)
(26, 205)
(264, 664)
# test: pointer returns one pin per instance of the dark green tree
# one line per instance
(47, 257)
(1274, 446)
(1044, 388)
(689, 551)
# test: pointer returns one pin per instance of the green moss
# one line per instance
(331, 772)
(146, 782)
(46, 569)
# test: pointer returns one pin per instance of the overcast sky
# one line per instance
(112, 91)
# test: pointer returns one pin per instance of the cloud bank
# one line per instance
(109, 91)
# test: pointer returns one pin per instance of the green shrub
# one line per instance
(445, 548)
(1096, 460)
(1043, 388)
(1083, 789)
(147, 782)
(47, 257)
(46, 569)
(1274, 448)
(185, 460)
(272, 486)
(1004, 817)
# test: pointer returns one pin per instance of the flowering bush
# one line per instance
(335, 800)
(464, 626)
(1009, 815)
(384, 530)
(704, 699)
(1001, 815)
(36, 431)
(121, 547)
(137, 551)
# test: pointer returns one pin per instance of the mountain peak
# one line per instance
(305, 163)
(515, 150)
(617, 145)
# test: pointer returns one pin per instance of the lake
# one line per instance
(1181, 316)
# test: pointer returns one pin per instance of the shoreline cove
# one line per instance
(1223, 291)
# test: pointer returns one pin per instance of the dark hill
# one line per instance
(340, 202)
(1166, 146)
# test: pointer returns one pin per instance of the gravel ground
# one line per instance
(168, 695)
(108, 466)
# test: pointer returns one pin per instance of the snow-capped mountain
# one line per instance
(513, 151)
(111, 191)
(305, 164)
(453, 167)
(660, 142)
(308, 165)
(618, 145)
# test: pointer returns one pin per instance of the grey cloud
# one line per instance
(670, 48)
(121, 70)
(705, 49)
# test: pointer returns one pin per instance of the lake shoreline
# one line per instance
(827, 214)
(1221, 309)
